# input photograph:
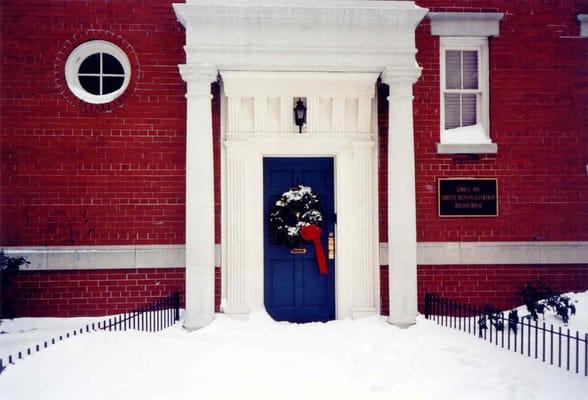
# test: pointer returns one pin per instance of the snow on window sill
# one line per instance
(466, 140)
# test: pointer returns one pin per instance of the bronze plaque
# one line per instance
(467, 197)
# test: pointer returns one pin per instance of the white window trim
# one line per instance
(583, 18)
(466, 24)
(79, 54)
(479, 44)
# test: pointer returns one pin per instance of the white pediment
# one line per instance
(321, 35)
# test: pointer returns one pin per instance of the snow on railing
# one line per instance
(521, 335)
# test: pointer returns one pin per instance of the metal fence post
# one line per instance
(427, 305)
(177, 306)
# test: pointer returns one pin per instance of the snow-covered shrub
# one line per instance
(10, 264)
(539, 297)
(7, 266)
(493, 315)
(513, 320)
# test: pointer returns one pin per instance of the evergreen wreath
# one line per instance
(295, 209)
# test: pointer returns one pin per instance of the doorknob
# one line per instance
(331, 246)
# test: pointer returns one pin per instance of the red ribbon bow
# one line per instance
(313, 233)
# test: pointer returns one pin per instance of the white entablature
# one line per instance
(308, 35)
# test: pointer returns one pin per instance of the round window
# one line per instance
(97, 71)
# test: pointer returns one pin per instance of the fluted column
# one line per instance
(199, 196)
(363, 221)
(238, 228)
(402, 244)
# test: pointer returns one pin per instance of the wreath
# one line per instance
(295, 209)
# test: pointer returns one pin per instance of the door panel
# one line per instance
(314, 286)
(294, 290)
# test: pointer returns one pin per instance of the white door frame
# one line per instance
(355, 170)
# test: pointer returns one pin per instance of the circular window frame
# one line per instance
(77, 57)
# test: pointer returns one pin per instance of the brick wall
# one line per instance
(75, 175)
(93, 292)
(498, 285)
(538, 118)
(538, 113)
(89, 292)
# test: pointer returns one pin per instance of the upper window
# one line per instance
(464, 90)
(97, 72)
(461, 93)
(463, 38)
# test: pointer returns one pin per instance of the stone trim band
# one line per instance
(428, 253)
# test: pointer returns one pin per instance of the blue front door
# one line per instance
(294, 290)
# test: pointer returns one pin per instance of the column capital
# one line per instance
(237, 148)
(401, 76)
(363, 146)
(198, 77)
(205, 73)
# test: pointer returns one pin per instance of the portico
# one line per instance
(265, 58)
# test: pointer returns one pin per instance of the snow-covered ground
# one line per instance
(20, 333)
(264, 359)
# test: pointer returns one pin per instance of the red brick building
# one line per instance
(109, 157)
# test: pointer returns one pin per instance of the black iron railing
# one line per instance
(154, 317)
(521, 335)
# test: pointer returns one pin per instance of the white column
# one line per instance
(402, 245)
(363, 222)
(199, 197)
(238, 229)
(344, 231)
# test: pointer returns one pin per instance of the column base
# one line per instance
(195, 322)
(401, 323)
(239, 312)
(357, 313)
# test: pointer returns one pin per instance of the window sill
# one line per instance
(479, 148)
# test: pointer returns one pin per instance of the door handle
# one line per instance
(331, 246)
